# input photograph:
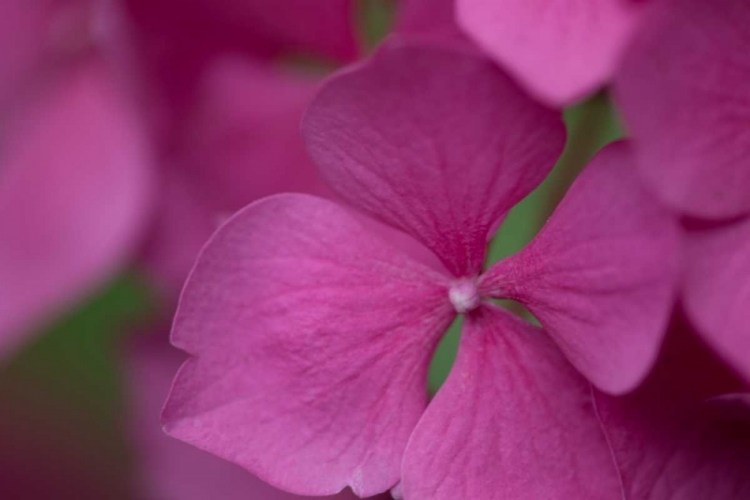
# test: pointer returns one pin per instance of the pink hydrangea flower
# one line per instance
(311, 333)
(75, 170)
(684, 94)
(168, 469)
(560, 50)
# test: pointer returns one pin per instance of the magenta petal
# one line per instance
(74, 191)
(560, 50)
(669, 445)
(436, 142)
(600, 276)
(242, 140)
(311, 340)
(717, 290)
(514, 420)
(169, 469)
(684, 95)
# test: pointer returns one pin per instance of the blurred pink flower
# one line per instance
(684, 94)
(311, 334)
(560, 50)
(223, 112)
(75, 170)
(167, 468)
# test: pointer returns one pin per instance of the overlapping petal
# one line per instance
(513, 420)
(74, 192)
(717, 290)
(560, 50)
(601, 274)
(242, 140)
(437, 142)
(169, 469)
(669, 442)
(684, 95)
(301, 319)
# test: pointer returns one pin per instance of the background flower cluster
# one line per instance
(444, 249)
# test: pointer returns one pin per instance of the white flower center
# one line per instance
(464, 296)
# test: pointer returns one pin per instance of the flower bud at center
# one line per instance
(464, 296)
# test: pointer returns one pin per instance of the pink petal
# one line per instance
(243, 141)
(433, 141)
(514, 420)
(670, 445)
(169, 469)
(684, 95)
(74, 186)
(717, 290)
(560, 50)
(601, 274)
(311, 339)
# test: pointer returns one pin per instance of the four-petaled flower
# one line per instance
(311, 325)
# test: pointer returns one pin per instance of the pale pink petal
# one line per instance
(561, 50)
(684, 94)
(169, 469)
(242, 141)
(717, 290)
(601, 274)
(311, 339)
(514, 420)
(436, 142)
(74, 186)
(670, 444)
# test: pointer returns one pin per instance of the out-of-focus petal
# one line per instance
(717, 290)
(74, 192)
(169, 469)
(672, 444)
(243, 140)
(164, 32)
(260, 27)
(436, 142)
(560, 50)
(684, 95)
(514, 420)
(601, 274)
(22, 26)
(311, 339)
(428, 18)
(180, 226)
